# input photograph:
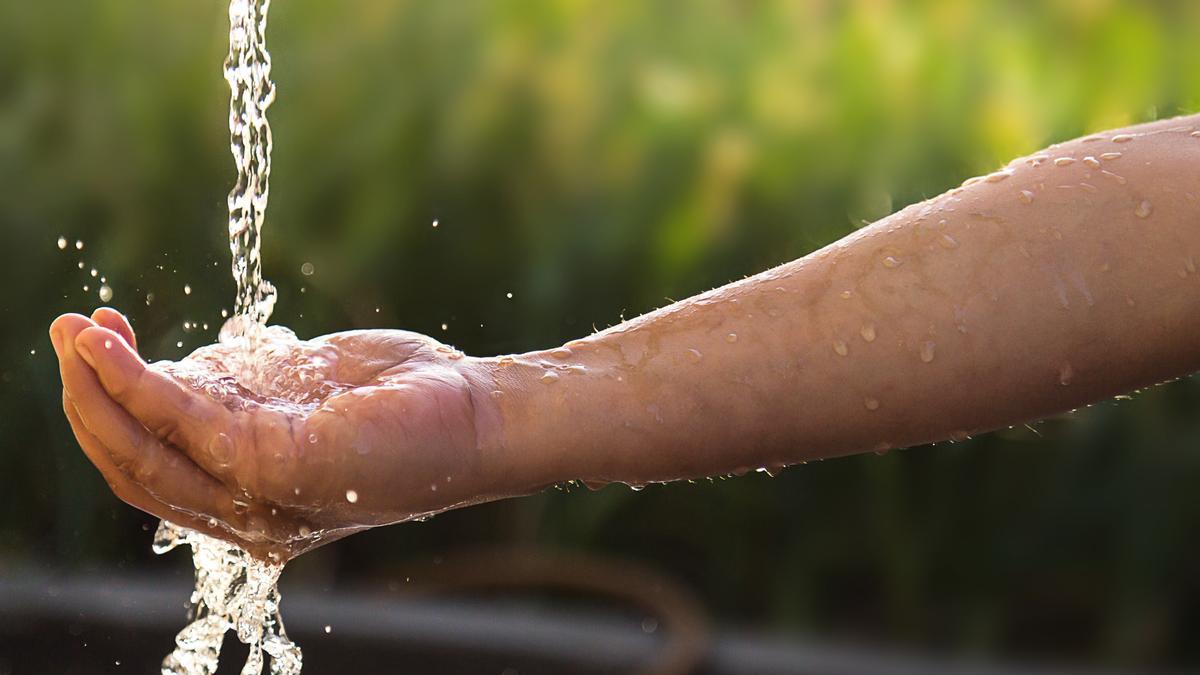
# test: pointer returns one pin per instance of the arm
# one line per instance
(1043, 287)
(1065, 278)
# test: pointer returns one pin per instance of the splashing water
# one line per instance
(233, 590)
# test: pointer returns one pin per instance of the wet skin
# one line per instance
(1063, 279)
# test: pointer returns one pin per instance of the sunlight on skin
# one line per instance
(1065, 278)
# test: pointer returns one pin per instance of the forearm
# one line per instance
(1043, 288)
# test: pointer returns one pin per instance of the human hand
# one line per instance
(340, 433)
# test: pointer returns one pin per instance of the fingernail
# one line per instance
(85, 353)
(56, 340)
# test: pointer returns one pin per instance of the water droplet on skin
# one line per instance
(62, 243)
(840, 347)
(927, 351)
(1112, 176)
(307, 269)
(892, 262)
(497, 394)
(549, 377)
(187, 290)
(1092, 162)
(1122, 138)
(1089, 187)
(106, 294)
(454, 355)
(1144, 209)
(731, 338)
(871, 403)
(1064, 161)
(947, 242)
(78, 244)
(997, 176)
(506, 361)
(694, 355)
(108, 344)
(846, 295)
(1109, 156)
(312, 438)
(561, 353)
(351, 496)
(1065, 374)
(1190, 265)
(1025, 196)
(882, 448)
(1195, 134)
(867, 332)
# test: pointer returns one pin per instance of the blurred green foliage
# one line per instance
(595, 158)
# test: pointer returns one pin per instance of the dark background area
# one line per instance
(595, 159)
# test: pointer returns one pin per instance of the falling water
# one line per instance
(233, 590)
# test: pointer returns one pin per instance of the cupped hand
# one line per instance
(305, 443)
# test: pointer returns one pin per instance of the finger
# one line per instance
(107, 317)
(129, 492)
(163, 472)
(186, 419)
(133, 494)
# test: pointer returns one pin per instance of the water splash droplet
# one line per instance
(62, 243)
(508, 295)
(1144, 209)
(78, 244)
(187, 289)
(106, 293)
(927, 351)
(307, 269)
(1065, 374)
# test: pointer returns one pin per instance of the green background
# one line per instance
(595, 158)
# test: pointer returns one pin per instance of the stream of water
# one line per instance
(233, 590)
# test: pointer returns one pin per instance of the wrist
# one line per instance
(519, 442)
